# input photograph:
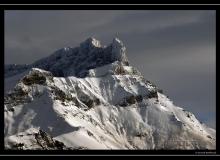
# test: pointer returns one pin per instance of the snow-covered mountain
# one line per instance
(90, 97)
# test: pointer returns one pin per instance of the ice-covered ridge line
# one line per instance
(143, 124)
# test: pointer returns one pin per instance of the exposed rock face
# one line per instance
(40, 141)
(47, 142)
(89, 97)
(119, 51)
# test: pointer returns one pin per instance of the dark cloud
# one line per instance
(175, 49)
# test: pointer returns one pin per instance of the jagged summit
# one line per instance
(93, 42)
(77, 61)
(90, 43)
(119, 51)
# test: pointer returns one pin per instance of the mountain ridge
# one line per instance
(90, 54)
(90, 97)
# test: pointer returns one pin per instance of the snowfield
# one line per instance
(89, 97)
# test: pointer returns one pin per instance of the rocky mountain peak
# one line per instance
(77, 61)
(119, 51)
(90, 43)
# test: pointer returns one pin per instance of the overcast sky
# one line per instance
(173, 49)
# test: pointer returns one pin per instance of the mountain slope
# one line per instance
(89, 97)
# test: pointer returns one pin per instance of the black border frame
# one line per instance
(107, 152)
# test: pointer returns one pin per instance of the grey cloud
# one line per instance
(148, 21)
(186, 35)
